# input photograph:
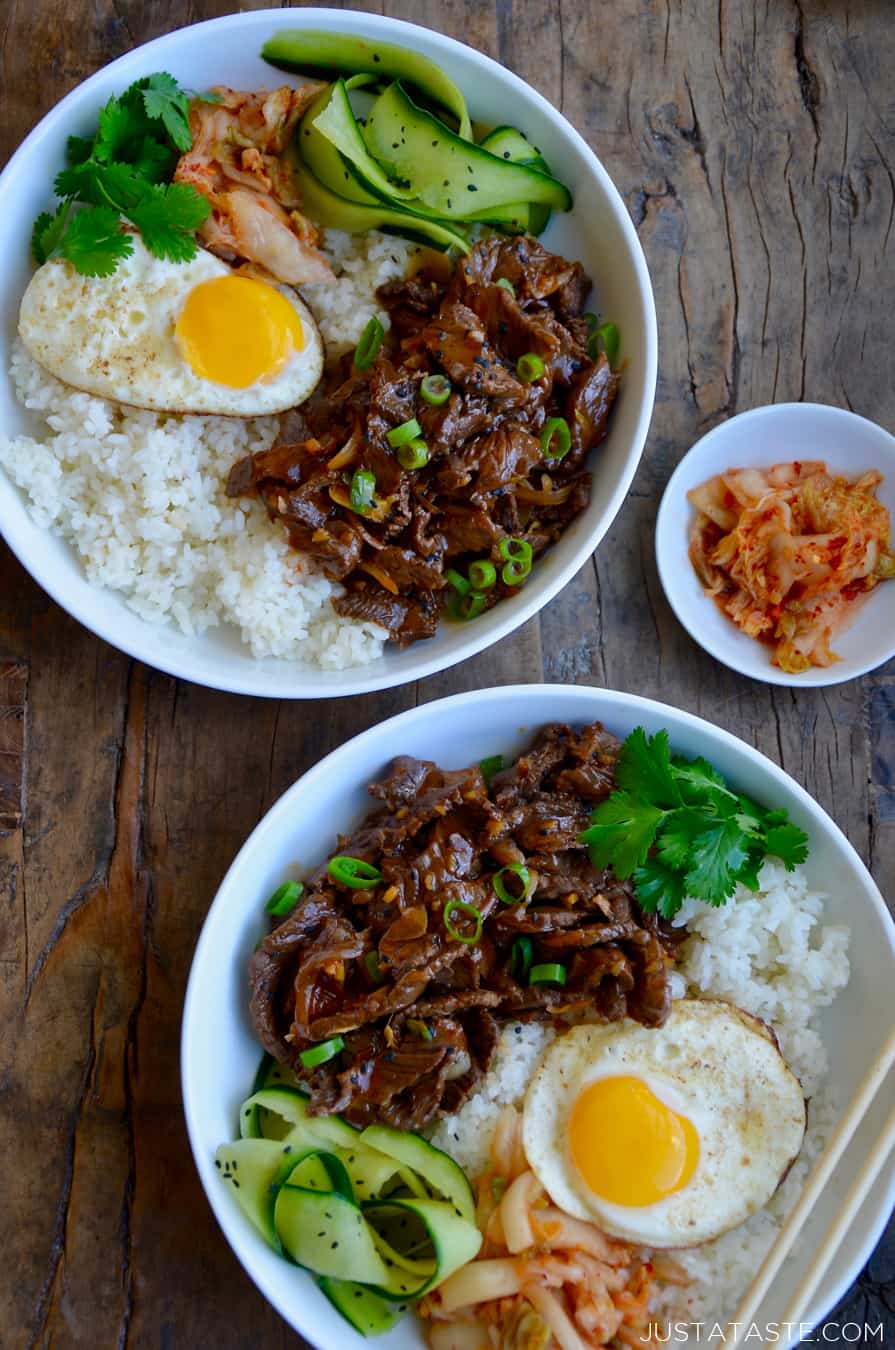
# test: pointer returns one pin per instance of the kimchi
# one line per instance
(788, 552)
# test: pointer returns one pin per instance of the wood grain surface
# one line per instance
(754, 145)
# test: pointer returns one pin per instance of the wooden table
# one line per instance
(756, 154)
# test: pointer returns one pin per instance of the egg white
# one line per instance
(712, 1063)
(114, 337)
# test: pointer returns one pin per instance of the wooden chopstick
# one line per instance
(837, 1230)
(817, 1180)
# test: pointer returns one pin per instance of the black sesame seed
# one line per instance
(471, 187)
(358, 1293)
(434, 144)
(449, 203)
(394, 145)
(375, 57)
(236, 1183)
(506, 154)
(235, 1164)
(217, 1164)
(333, 1246)
(321, 1234)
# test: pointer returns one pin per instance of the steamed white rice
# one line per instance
(140, 496)
(770, 953)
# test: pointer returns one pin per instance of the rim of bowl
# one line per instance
(338, 760)
(818, 677)
(150, 649)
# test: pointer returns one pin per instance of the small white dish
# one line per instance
(219, 1051)
(598, 231)
(760, 438)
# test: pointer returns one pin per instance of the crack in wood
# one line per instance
(57, 1243)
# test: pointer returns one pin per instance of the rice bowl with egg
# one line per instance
(215, 656)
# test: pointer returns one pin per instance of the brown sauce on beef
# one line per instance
(487, 478)
(418, 1010)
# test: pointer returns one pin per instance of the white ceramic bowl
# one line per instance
(219, 1053)
(598, 232)
(761, 438)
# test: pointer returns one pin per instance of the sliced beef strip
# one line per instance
(421, 1024)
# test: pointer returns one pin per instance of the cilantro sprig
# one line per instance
(124, 170)
(675, 826)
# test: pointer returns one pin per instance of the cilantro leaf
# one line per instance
(167, 217)
(94, 241)
(700, 784)
(120, 125)
(748, 873)
(79, 148)
(165, 100)
(153, 161)
(621, 833)
(717, 855)
(48, 231)
(659, 888)
(644, 767)
(114, 185)
(674, 844)
(788, 843)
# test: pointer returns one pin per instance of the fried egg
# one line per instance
(175, 337)
(665, 1136)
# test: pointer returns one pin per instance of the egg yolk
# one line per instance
(629, 1147)
(237, 330)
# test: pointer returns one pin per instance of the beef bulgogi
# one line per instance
(498, 457)
(458, 889)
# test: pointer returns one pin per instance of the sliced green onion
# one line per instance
(549, 973)
(520, 957)
(517, 566)
(512, 549)
(470, 605)
(592, 321)
(457, 580)
(354, 872)
(462, 907)
(319, 1054)
(482, 575)
(284, 897)
(363, 488)
(413, 455)
(420, 1028)
(374, 967)
(519, 894)
(407, 431)
(436, 389)
(529, 367)
(506, 285)
(556, 438)
(490, 766)
(607, 338)
(370, 342)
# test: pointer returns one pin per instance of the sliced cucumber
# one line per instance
(315, 53)
(332, 116)
(509, 144)
(432, 1224)
(321, 1172)
(367, 1312)
(327, 164)
(328, 1234)
(328, 209)
(439, 1171)
(256, 1168)
(284, 1115)
(254, 1121)
(447, 174)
